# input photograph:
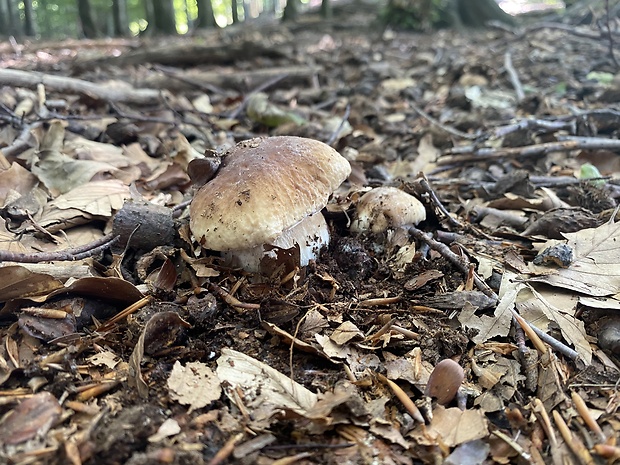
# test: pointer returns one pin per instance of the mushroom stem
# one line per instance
(311, 235)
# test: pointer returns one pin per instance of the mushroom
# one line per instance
(384, 208)
(445, 381)
(268, 193)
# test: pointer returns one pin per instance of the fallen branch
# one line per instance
(95, 90)
(77, 253)
(471, 154)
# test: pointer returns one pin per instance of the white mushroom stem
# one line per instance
(311, 235)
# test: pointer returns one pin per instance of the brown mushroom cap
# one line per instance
(383, 208)
(265, 186)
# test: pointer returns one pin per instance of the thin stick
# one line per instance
(345, 117)
(460, 262)
(513, 76)
(73, 254)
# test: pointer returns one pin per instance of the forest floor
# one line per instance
(150, 350)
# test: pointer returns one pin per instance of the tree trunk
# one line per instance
(234, 5)
(163, 12)
(4, 19)
(326, 9)
(89, 29)
(12, 23)
(206, 17)
(291, 10)
(477, 13)
(119, 17)
(30, 22)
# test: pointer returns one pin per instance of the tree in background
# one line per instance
(119, 18)
(477, 13)
(11, 25)
(30, 23)
(85, 12)
(206, 16)
(426, 14)
(291, 10)
(164, 21)
(327, 11)
(234, 5)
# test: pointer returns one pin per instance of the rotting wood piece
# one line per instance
(183, 54)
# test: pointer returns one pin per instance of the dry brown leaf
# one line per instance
(499, 323)
(15, 179)
(194, 384)
(18, 283)
(10, 241)
(608, 303)
(558, 306)
(98, 198)
(33, 416)
(455, 426)
(60, 173)
(346, 332)
(266, 390)
(594, 271)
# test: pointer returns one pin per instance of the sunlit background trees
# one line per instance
(57, 19)
(93, 18)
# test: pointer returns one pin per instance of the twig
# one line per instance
(564, 144)
(230, 300)
(174, 74)
(76, 253)
(513, 76)
(432, 195)
(144, 301)
(448, 129)
(265, 85)
(32, 79)
(610, 36)
(555, 344)
(460, 262)
(345, 117)
(150, 119)
(561, 27)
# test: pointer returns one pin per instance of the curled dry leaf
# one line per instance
(35, 415)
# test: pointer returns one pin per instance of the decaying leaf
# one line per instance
(557, 306)
(499, 323)
(194, 384)
(35, 415)
(266, 391)
(594, 271)
(453, 426)
(18, 282)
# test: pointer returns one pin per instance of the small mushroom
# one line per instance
(384, 208)
(445, 381)
(268, 193)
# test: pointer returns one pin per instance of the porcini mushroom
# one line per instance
(384, 208)
(268, 193)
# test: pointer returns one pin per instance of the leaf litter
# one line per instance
(148, 349)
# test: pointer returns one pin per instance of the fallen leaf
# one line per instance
(266, 391)
(559, 306)
(594, 271)
(499, 323)
(194, 384)
(455, 426)
(346, 332)
(33, 416)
